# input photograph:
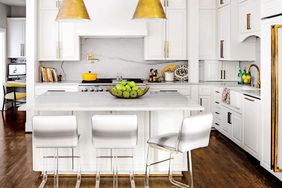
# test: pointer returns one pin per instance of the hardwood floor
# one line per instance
(221, 165)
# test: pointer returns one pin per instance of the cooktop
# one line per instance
(110, 80)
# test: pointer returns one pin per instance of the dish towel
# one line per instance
(226, 96)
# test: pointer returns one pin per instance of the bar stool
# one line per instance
(115, 132)
(56, 132)
(194, 133)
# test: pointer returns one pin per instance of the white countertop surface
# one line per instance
(78, 101)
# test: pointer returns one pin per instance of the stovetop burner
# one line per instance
(99, 81)
(110, 80)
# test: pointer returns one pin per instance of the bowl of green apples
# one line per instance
(128, 90)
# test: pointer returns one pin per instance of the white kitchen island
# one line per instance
(158, 113)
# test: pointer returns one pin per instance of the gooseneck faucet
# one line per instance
(258, 69)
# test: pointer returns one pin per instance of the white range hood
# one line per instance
(112, 18)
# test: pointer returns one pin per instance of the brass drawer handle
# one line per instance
(248, 16)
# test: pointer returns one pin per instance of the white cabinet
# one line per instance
(57, 41)
(225, 121)
(208, 42)
(44, 88)
(229, 47)
(271, 8)
(222, 3)
(16, 37)
(249, 19)
(212, 70)
(251, 124)
(205, 98)
(166, 40)
(236, 121)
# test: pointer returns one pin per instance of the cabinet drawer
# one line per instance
(39, 90)
(217, 123)
(204, 90)
(183, 90)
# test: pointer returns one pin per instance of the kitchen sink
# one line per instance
(244, 88)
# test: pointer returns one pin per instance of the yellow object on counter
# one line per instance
(89, 76)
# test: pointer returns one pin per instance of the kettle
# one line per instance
(89, 76)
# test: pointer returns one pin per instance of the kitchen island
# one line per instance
(157, 113)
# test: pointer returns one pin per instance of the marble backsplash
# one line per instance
(115, 57)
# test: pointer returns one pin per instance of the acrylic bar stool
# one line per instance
(194, 133)
(56, 132)
(115, 132)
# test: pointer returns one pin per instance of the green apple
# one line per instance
(133, 94)
(135, 88)
(128, 88)
(140, 92)
(118, 93)
(120, 87)
(131, 84)
(126, 94)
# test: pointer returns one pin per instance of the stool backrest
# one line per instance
(195, 132)
(114, 131)
(55, 131)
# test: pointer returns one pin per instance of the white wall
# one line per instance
(2, 63)
(116, 56)
(4, 12)
(245, 64)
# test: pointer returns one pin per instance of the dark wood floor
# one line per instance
(221, 165)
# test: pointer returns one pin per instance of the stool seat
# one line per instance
(11, 96)
(168, 141)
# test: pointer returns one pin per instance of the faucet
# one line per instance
(258, 69)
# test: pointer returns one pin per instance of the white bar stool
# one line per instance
(194, 133)
(115, 132)
(56, 132)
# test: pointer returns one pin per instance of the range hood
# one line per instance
(112, 19)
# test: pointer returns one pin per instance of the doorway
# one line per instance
(2, 62)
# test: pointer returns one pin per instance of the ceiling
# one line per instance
(13, 2)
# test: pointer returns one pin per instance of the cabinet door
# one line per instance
(176, 34)
(251, 125)
(236, 121)
(48, 36)
(176, 4)
(155, 40)
(222, 3)
(249, 18)
(16, 38)
(69, 48)
(224, 32)
(49, 4)
(226, 122)
(205, 101)
(207, 35)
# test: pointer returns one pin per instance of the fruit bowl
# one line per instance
(129, 95)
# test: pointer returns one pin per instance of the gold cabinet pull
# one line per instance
(248, 17)
(58, 50)
(275, 99)
(221, 48)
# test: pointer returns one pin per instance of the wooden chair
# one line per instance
(10, 94)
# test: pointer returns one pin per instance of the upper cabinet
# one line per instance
(167, 39)
(270, 8)
(222, 3)
(56, 41)
(16, 37)
(249, 19)
(229, 46)
(208, 30)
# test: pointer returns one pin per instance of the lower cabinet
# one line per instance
(251, 122)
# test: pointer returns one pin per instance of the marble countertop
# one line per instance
(78, 101)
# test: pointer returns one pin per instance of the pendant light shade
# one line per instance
(147, 9)
(73, 10)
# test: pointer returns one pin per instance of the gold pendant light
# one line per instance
(149, 9)
(73, 10)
